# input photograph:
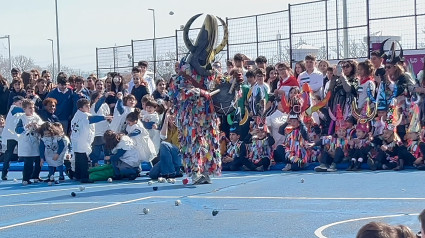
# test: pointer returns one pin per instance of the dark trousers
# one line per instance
(8, 156)
(360, 153)
(32, 168)
(327, 159)
(279, 154)
(81, 166)
(52, 170)
(239, 162)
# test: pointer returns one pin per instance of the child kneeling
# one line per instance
(125, 156)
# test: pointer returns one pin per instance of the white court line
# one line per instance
(68, 189)
(117, 184)
(319, 231)
(302, 198)
(71, 213)
(53, 203)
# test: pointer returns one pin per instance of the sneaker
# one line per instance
(371, 164)
(287, 167)
(321, 168)
(357, 166)
(332, 168)
(4, 178)
(61, 178)
(351, 167)
(26, 182)
(260, 168)
(245, 168)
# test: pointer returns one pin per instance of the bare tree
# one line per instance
(23, 63)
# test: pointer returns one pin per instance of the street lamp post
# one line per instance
(154, 43)
(57, 37)
(53, 58)
(8, 44)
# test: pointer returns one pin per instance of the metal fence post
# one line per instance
(290, 34)
(416, 25)
(326, 27)
(132, 55)
(177, 45)
(227, 43)
(97, 62)
(368, 29)
(114, 54)
(256, 31)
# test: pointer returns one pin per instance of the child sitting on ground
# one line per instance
(259, 149)
(140, 136)
(125, 156)
(235, 154)
(28, 142)
(359, 147)
(334, 148)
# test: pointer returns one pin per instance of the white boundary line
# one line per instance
(71, 213)
(301, 198)
(319, 230)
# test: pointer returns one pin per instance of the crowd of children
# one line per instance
(366, 115)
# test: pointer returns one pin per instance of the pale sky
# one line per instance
(87, 24)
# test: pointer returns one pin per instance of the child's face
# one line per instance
(117, 80)
(47, 134)
(412, 136)
(99, 86)
(63, 87)
(349, 124)
(51, 107)
(131, 102)
(341, 133)
(234, 137)
(17, 86)
(131, 123)
(136, 80)
(294, 123)
(29, 110)
(293, 93)
(360, 134)
(42, 84)
(143, 105)
(2, 122)
(18, 103)
(85, 108)
(329, 74)
(259, 78)
(251, 80)
(161, 87)
(30, 92)
(79, 85)
(150, 109)
(387, 134)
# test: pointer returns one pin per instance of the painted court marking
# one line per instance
(71, 213)
(319, 231)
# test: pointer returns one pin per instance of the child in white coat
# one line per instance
(150, 121)
(28, 142)
(137, 132)
(124, 106)
(82, 136)
(101, 108)
(54, 148)
(9, 137)
(125, 156)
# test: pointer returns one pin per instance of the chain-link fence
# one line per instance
(329, 29)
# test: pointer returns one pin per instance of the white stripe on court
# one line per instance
(302, 198)
(52, 203)
(71, 213)
(319, 231)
